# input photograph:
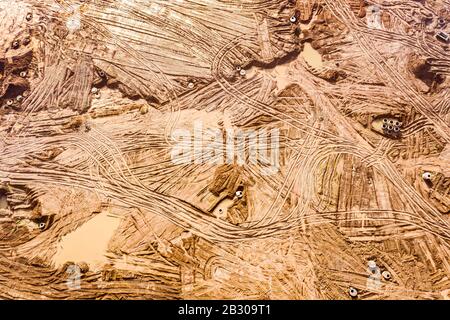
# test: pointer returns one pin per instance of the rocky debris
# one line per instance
(421, 70)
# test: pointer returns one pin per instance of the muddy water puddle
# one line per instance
(312, 56)
(88, 243)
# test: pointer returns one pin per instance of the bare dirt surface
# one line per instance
(94, 206)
